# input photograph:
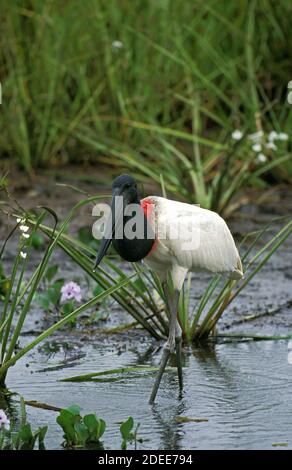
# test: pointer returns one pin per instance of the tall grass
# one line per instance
(163, 100)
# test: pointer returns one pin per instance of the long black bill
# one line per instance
(113, 222)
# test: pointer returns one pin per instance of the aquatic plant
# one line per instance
(129, 433)
(22, 438)
(57, 295)
(80, 431)
(71, 291)
(4, 421)
(49, 297)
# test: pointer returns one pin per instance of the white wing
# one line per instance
(193, 238)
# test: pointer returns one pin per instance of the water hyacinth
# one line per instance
(4, 421)
(71, 291)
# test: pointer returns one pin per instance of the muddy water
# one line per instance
(242, 390)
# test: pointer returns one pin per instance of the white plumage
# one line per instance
(190, 238)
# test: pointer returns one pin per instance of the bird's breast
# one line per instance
(139, 243)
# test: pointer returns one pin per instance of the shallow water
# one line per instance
(242, 389)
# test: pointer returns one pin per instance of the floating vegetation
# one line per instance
(121, 371)
(186, 419)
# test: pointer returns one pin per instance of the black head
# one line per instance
(126, 186)
(124, 192)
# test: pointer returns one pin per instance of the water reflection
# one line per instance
(241, 390)
(171, 432)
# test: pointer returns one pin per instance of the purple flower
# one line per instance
(4, 421)
(71, 291)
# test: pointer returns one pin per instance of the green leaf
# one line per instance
(95, 426)
(41, 433)
(97, 290)
(91, 423)
(26, 439)
(126, 428)
(101, 427)
(67, 419)
(37, 241)
(82, 433)
(2, 270)
(74, 409)
(43, 300)
(51, 272)
(68, 308)
(53, 293)
(122, 370)
(139, 284)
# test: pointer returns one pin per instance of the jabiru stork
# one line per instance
(163, 246)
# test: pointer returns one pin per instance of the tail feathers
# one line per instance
(238, 271)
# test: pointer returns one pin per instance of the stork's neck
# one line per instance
(138, 236)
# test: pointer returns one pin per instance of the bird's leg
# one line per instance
(178, 347)
(178, 333)
(171, 341)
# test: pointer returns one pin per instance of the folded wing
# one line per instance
(194, 238)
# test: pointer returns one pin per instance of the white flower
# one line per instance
(237, 134)
(23, 255)
(272, 136)
(271, 145)
(23, 228)
(256, 137)
(25, 235)
(117, 45)
(282, 136)
(261, 158)
(4, 421)
(256, 147)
